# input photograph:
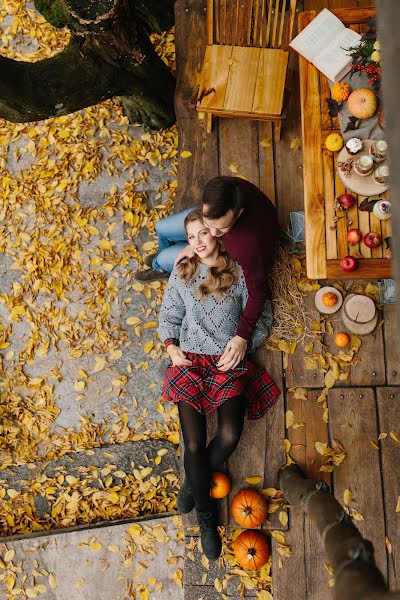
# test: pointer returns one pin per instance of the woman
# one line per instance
(200, 312)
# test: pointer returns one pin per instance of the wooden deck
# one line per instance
(360, 408)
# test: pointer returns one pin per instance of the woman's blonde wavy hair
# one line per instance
(220, 278)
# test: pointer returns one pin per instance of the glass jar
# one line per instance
(378, 150)
(381, 175)
(382, 210)
(364, 165)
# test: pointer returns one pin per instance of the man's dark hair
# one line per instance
(222, 194)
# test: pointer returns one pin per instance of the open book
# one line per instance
(323, 43)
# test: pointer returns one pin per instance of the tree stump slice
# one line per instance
(359, 308)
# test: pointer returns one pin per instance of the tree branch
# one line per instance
(114, 58)
(352, 557)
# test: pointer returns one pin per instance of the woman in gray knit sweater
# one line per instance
(199, 314)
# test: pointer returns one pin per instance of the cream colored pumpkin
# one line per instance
(362, 103)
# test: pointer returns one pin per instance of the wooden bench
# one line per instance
(246, 57)
(326, 244)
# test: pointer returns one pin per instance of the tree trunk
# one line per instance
(109, 54)
(352, 557)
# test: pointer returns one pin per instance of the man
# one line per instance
(246, 220)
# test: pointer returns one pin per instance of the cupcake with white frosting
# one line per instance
(354, 145)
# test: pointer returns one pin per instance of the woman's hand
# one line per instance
(178, 356)
(233, 354)
(186, 252)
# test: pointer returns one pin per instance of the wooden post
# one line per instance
(352, 557)
(388, 21)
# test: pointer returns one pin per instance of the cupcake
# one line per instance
(354, 145)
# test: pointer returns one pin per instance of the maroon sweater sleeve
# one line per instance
(255, 275)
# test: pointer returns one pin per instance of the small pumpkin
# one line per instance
(340, 91)
(362, 103)
(334, 142)
(220, 485)
(329, 299)
(251, 549)
(249, 508)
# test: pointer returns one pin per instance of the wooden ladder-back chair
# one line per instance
(246, 58)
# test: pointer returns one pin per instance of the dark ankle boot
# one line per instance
(185, 500)
(210, 538)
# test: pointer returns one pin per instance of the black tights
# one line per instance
(201, 460)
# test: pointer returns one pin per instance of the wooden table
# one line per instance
(326, 243)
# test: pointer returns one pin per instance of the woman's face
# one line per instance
(200, 239)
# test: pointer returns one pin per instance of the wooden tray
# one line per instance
(365, 186)
(326, 228)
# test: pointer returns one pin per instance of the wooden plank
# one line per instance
(215, 75)
(375, 226)
(353, 421)
(293, 569)
(238, 145)
(288, 161)
(325, 92)
(389, 419)
(193, 173)
(266, 160)
(210, 21)
(367, 268)
(353, 224)
(315, 429)
(363, 223)
(272, 67)
(265, 42)
(341, 229)
(312, 164)
(296, 374)
(366, 372)
(391, 330)
(330, 211)
(242, 77)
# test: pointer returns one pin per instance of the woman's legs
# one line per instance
(170, 231)
(230, 426)
(194, 432)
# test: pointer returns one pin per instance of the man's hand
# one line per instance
(233, 353)
(178, 356)
(186, 252)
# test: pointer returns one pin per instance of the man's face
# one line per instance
(218, 227)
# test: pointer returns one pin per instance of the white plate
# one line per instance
(320, 306)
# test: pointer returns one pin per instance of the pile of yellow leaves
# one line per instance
(63, 251)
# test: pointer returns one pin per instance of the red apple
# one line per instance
(347, 201)
(348, 263)
(354, 236)
(372, 239)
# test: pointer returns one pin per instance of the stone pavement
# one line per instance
(143, 560)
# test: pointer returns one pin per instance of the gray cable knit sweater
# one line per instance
(206, 326)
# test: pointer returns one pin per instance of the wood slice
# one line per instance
(320, 306)
(359, 308)
(365, 186)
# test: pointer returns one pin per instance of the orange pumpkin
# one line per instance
(220, 485)
(329, 299)
(340, 91)
(251, 549)
(249, 508)
(362, 103)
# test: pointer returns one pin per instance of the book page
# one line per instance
(313, 39)
(334, 61)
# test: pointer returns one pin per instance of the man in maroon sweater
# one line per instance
(246, 220)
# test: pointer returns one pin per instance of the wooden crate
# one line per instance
(325, 245)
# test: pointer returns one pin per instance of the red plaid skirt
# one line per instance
(205, 387)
